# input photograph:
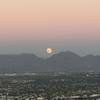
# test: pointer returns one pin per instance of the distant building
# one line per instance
(40, 98)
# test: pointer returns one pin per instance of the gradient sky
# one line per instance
(30, 26)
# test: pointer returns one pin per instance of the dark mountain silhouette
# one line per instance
(19, 63)
(63, 61)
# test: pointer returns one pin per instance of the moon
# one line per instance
(49, 50)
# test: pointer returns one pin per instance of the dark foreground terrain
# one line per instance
(49, 86)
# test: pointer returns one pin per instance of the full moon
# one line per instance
(49, 50)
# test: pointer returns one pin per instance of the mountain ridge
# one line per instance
(64, 61)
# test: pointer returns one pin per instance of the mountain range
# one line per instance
(61, 62)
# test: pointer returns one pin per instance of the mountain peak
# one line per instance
(65, 54)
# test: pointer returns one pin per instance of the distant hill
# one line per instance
(63, 61)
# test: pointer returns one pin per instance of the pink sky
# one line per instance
(49, 20)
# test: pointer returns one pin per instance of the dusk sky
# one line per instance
(31, 26)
